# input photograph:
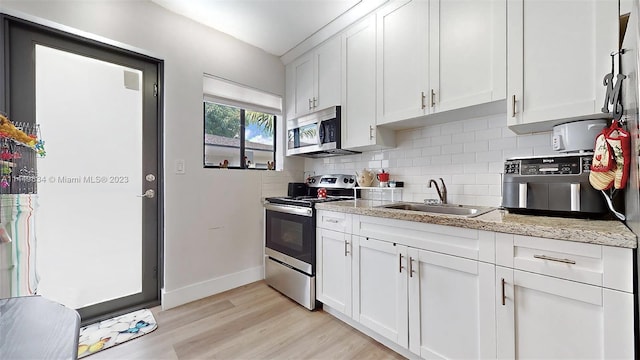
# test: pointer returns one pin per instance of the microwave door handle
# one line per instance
(321, 133)
(296, 138)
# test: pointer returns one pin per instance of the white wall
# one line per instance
(213, 218)
(468, 155)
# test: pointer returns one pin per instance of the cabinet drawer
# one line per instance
(606, 266)
(467, 243)
(336, 221)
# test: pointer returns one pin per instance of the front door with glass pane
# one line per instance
(97, 203)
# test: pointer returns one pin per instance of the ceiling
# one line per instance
(275, 26)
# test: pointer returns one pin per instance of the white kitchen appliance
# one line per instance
(577, 136)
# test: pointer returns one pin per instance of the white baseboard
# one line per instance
(372, 334)
(187, 294)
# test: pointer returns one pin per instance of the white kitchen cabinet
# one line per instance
(327, 74)
(402, 60)
(313, 80)
(448, 292)
(299, 86)
(467, 53)
(544, 317)
(558, 54)
(380, 288)
(451, 306)
(359, 126)
(439, 55)
(333, 269)
(446, 301)
(562, 299)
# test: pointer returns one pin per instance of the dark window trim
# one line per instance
(243, 165)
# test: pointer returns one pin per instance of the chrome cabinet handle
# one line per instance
(148, 194)
(346, 248)
(550, 258)
(411, 267)
(314, 102)
(332, 221)
(422, 97)
(370, 132)
(433, 98)
(400, 267)
(513, 106)
(503, 296)
(309, 104)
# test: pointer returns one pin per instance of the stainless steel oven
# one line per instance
(290, 235)
(290, 242)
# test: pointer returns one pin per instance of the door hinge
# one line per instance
(155, 89)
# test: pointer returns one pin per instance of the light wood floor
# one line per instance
(250, 322)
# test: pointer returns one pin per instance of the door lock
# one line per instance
(148, 194)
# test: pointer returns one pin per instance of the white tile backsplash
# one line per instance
(467, 154)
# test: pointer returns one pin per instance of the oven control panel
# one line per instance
(332, 181)
(562, 165)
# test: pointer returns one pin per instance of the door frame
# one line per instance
(97, 312)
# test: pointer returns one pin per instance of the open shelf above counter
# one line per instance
(382, 193)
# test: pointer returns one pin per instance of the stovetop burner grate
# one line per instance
(306, 201)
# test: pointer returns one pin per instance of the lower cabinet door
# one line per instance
(333, 269)
(544, 317)
(451, 306)
(380, 288)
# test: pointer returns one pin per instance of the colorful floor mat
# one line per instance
(114, 331)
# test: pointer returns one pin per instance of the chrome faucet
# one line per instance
(443, 194)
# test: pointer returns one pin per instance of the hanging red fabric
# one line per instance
(620, 142)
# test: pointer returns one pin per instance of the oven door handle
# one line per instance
(294, 210)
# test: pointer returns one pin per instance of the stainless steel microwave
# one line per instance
(316, 134)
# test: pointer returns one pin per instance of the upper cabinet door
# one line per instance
(359, 84)
(558, 54)
(402, 38)
(467, 48)
(327, 74)
(313, 80)
(300, 86)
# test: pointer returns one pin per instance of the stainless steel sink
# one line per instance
(448, 209)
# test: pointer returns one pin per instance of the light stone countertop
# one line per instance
(601, 232)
